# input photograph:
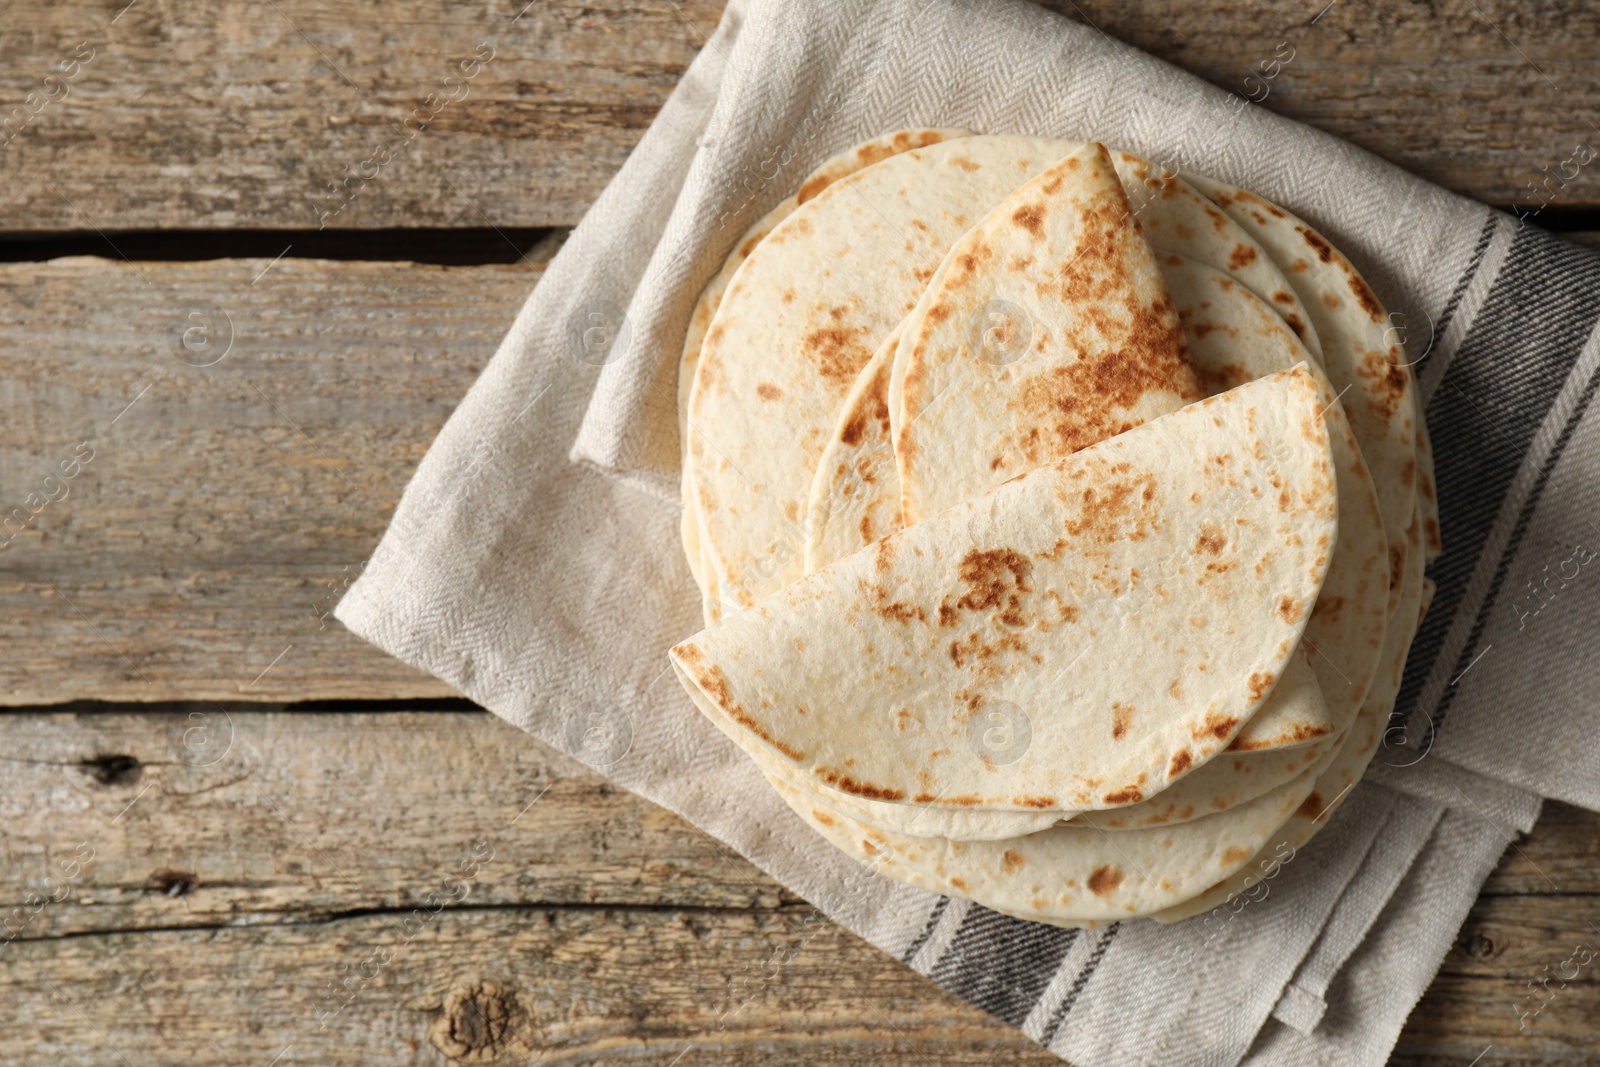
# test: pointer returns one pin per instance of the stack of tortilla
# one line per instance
(1059, 522)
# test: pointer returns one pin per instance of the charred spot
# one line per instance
(1130, 795)
(836, 350)
(1030, 217)
(1259, 685)
(1282, 297)
(900, 612)
(1241, 256)
(1180, 763)
(1211, 540)
(1104, 880)
(846, 784)
(716, 687)
(1366, 297)
(1220, 727)
(1121, 719)
(1288, 609)
(1311, 808)
(1322, 248)
(993, 576)
(1040, 803)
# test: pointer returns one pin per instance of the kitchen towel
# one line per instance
(534, 562)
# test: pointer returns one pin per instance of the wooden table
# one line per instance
(234, 832)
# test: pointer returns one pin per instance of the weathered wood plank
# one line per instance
(1524, 977)
(236, 114)
(218, 511)
(1479, 97)
(218, 815)
(123, 828)
(228, 113)
(513, 986)
(213, 815)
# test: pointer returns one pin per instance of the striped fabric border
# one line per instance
(1515, 358)
(1504, 348)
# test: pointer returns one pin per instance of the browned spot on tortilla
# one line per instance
(845, 784)
(1241, 256)
(1330, 301)
(1312, 808)
(1010, 862)
(1175, 690)
(1031, 218)
(992, 578)
(1322, 248)
(965, 163)
(1296, 325)
(1397, 563)
(1180, 763)
(1130, 795)
(689, 653)
(836, 350)
(768, 391)
(1300, 733)
(900, 612)
(1215, 725)
(1234, 854)
(1103, 880)
(812, 187)
(1431, 527)
(1282, 297)
(1259, 685)
(958, 883)
(1036, 802)
(821, 816)
(1121, 719)
(715, 686)
(883, 554)
(1366, 297)
(1288, 609)
(791, 510)
(1211, 540)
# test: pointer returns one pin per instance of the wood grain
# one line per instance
(507, 986)
(204, 865)
(1474, 95)
(229, 113)
(222, 513)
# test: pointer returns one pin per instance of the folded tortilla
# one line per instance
(1122, 611)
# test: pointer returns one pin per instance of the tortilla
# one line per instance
(831, 170)
(875, 674)
(1069, 875)
(1233, 338)
(1359, 353)
(855, 494)
(800, 319)
(1177, 218)
(1350, 762)
(1047, 328)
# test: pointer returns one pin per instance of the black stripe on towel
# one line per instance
(1060, 1014)
(1511, 366)
(927, 930)
(1001, 964)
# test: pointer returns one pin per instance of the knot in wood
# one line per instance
(480, 1022)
